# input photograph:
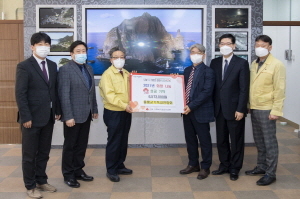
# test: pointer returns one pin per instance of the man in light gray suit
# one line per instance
(76, 90)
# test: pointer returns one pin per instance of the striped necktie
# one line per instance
(225, 68)
(189, 86)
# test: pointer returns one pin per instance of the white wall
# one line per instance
(9, 8)
(275, 10)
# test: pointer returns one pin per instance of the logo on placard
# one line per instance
(146, 91)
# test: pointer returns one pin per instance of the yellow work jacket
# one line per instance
(267, 86)
(114, 89)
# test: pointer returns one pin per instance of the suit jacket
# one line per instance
(34, 95)
(77, 100)
(267, 86)
(232, 92)
(201, 103)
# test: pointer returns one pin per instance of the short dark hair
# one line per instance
(230, 36)
(264, 38)
(114, 49)
(38, 37)
(77, 43)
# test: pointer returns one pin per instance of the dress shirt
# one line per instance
(223, 63)
(39, 61)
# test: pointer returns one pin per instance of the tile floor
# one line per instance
(156, 175)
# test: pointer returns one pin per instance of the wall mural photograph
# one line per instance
(241, 41)
(61, 41)
(60, 60)
(231, 18)
(56, 17)
(155, 40)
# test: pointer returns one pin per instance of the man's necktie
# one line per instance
(121, 72)
(45, 71)
(225, 68)
(85, 75)
(189, 86)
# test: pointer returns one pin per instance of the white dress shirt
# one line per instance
(223, 63)
(39, 61)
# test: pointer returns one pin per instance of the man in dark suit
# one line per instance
(76, 89)
(198, 112)
(230, 98)
(37, 101)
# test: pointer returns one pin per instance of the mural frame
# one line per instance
(63, 52)
(94, 59)
(39, 8)
(228, 30)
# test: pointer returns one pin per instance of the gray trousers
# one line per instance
(264, 133)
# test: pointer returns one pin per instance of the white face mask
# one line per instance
(261, 52)
(119, 63)
(196, 58)
(226, 50)
(42, 51)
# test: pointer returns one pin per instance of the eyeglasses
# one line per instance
(198, 53)
(118, 57)
(223, 44)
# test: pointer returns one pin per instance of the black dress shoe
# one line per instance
(220, 172)
(85, 177)
(125, 171)
(72, 183)
(266, 180)
(113, 177)
(190, 169)
(234, 176)
(203, 174)
(255, 171)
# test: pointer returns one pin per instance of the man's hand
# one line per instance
(273, 117)
(128, 109)
(70, 123)
(186, 110)
(238, 116)
(57, 117)
(27, 124)
(95, 116)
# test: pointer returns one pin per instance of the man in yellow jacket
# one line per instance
(267, 93)
(114, 89)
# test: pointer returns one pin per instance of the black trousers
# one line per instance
(118, 125)
(75, 144)
(36, 145)
(231, 154)
(195, 131)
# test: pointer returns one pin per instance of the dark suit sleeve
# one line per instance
(58, 106)
(64, 86)
(21, 91)
(244, 81)
(95, 106)
(212, 66)
(207, 91)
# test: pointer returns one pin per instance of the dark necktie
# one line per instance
(225, 68)
(85, 75)
(189, 86)
(121, 72)
(259, 66)
(45, 71)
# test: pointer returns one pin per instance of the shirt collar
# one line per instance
(228, 59)
(257, 60)
(38, 59)
(198, 66)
